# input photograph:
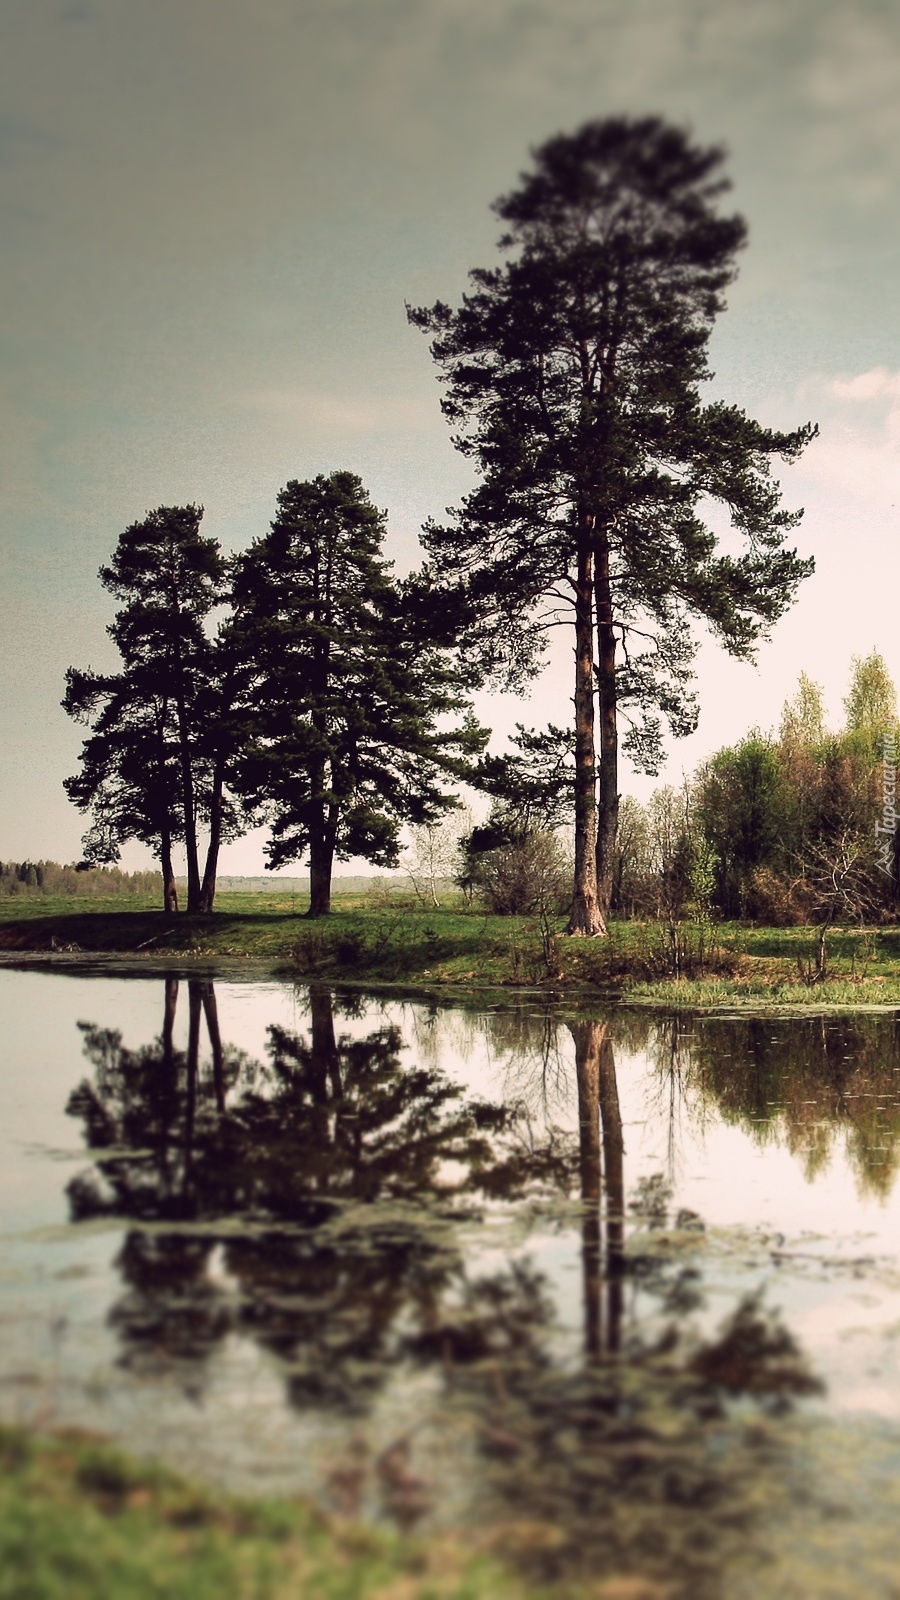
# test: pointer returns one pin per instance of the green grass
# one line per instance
(394, 939)
(707, 993)
(80, 1521)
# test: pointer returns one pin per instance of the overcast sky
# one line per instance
(214, 210)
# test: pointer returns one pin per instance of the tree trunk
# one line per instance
(208, 886)
(586, 917)
(193, 1070)
(587, 1073)
(608, 810)
(324, 1044)
(190, 814)
(187, 782)
(168, 1033)
(168, 1086)
(170, 887)
(321, 862)
(614, 1192)
(323, 1076)
(211, 1013)
(324, 831)
(599, 1113)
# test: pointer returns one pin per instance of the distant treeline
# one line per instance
(48, 878)
(346, 884)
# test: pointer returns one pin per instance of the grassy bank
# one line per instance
(80, 1521)
(394, 939)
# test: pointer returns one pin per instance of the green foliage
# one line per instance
(345, 688)
(81, 1521)
(631, 867)
(871, 703)
(836, 788)
(790, 819)
(535, 784)
(525, 876)
(803, 718)
(573, 371)
(740, 809)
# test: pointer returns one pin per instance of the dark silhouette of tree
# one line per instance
(154, 762)
(349, 1170)
(572, 373)
(345, 688)
(128, 779)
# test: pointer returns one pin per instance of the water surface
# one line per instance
(618, 1291)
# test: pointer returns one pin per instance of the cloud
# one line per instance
(865, 472)
(876, 384)
(857, 453)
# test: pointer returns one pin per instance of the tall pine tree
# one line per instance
(152, 766)
(572, 374)
(345, 690)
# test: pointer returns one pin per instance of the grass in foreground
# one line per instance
(394, 939)
(80, 1521)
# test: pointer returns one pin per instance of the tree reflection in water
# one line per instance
(322, 1202)
(634, 1458)
(602, 1182)
(315, 1211)
(807, 1082)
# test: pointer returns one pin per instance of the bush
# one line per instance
(777, 901)
(526, 877)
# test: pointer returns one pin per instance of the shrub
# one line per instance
(526, 877)
(776, 900)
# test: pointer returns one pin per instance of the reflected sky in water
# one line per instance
(576, 1273)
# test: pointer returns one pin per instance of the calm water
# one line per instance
(618, 1291)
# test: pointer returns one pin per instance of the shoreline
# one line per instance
(460, 954)
(184, 964)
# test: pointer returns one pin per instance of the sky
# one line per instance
(214, 211)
